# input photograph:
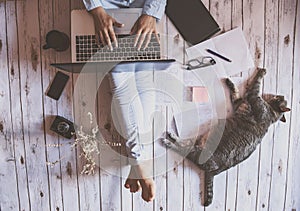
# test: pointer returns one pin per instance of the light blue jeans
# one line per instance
(133, 103)
(133, 107)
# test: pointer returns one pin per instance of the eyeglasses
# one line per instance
(200, 62)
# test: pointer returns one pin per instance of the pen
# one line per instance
(218, 55)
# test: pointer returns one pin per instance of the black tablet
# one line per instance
(192, 20)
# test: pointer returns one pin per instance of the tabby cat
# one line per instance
(244, 130)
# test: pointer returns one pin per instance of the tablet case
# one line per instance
(192, 20)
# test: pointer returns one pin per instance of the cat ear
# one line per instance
(283, 118)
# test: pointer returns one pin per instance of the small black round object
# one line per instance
(57, 40)
(63, 127)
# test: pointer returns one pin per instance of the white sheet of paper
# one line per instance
(193, 119)
(232, 45)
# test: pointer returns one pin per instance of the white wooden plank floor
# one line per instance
(266, 181)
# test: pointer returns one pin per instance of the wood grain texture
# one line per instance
(32, 103)
(232, 174)
(159, 153)
(293, 168)
(266, 181)
(218, 10)
(175, 182)
(253, 11)
(16, 106)
(50, 107)
(8, 175)
(284, 75)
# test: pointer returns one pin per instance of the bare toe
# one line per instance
(133, 185)
(127, 183)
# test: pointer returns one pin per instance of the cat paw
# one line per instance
(169, 139)
(172, 137)
(261, 72)
(166, 143)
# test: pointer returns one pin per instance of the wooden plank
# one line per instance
(231, 188)
(126, 196)
(292, 201)
(221, 11)
(71, 187)
(285, 61)
(253, 26)
(50, 107)
(31, 98)
(88, 185)
(269, 86)
(191, 187)
(68, 164)
(16, 107)
(232, 174)
(9, 199)
(175, 182)
(112, 190)
(160, 160)
(160, 156)
(236, 14)
(175, 185)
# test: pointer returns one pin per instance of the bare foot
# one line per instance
(144, 173)
(140, 177)
(148, 189)
(132, 183)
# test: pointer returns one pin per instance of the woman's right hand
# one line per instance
(104, 27)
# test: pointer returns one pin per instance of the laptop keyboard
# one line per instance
(88, 50)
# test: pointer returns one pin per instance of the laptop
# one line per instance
(85, 51)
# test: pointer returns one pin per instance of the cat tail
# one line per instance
(207, 189)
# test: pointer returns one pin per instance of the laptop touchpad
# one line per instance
(128, 19)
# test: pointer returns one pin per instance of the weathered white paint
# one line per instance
(293, 166)
(7, 156)
(175, 182)
(287, 11)
(271, 173)
(32, 103)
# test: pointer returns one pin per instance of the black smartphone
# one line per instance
(57, 86)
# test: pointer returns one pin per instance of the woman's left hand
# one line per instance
(143, 29)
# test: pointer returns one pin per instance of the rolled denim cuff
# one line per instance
(144, 156)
